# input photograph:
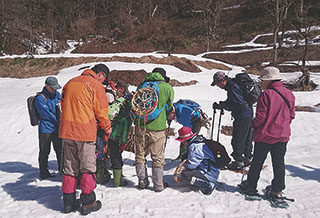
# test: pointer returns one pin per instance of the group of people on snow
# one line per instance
(86, 120)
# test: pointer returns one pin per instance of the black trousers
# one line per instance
(45, 140)
(115, 154)
(242, 139)
(186, 175)
(261, 150)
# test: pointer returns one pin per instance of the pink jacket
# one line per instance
(273, 117)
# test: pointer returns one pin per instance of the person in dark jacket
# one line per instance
(274, 115)
(242, 113)
(200, 169)
(48, 108)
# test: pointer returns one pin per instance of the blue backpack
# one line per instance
(185, 109)
(145, 101)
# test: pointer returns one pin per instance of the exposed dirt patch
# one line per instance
(132, 77)
(253, 60)
(32, 67)
(314, 108)
(227, 130)
(175, 82)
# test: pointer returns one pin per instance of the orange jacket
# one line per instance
(83, 103)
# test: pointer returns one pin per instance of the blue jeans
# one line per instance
(261, 150)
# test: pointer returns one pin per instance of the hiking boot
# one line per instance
(274, 195)
(72, 208)
(205, 187)
(247, 161)
(45, 175)
(86, 209)
(235, 165)
(143, 184)
(70, 203)
(157, 179)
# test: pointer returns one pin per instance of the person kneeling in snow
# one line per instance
(200, 164)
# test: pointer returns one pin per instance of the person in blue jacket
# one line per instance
(188, 113)
(242, 113)
(47, 104)
(200, 171)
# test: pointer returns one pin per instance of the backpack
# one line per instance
(251, 91)
(33, 114)
(145, 101)
(219, 152)
(188, 107)
(114, 107)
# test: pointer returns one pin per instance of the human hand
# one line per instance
(107, 134)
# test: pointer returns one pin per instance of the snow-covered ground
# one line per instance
(23, 195)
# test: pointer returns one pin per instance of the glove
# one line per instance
(223, 104)
(122, 147)
(215, 105)
(107, 134)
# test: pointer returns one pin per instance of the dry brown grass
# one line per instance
(33, 67)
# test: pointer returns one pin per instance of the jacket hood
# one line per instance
(89, 72)
(154, 77)
(198, 139)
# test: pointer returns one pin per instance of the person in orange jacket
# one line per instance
(84, 106)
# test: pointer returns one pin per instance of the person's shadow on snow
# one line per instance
(312, 174)
(27, 188)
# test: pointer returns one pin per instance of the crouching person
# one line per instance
(200, 169)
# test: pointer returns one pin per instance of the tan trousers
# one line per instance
(149, 142)
(78, 156)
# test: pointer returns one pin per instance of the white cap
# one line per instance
(270, 73)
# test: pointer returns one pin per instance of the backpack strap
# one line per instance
(43, 95)
(285, 100)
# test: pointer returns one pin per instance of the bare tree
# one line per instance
(303, 22)
(279, 9)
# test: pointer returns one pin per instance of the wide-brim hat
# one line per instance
(270, 73)
(185, 133)
(53, 83)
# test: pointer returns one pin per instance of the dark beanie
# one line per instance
(101, 68)
(159, 70)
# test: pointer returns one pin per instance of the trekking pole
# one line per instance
(219, 124)
(212, 126)
(167, 133)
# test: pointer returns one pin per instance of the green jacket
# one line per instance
(121, 123)
(166, 95)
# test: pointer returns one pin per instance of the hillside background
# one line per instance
(168, 26)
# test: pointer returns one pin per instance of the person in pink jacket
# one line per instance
(274, 114)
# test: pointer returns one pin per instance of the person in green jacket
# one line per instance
(150, 136)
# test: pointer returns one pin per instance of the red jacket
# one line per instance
(83, 103)
(273, 117)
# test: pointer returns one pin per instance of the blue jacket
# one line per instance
(201, 158)
(47, 110)
(235, 102)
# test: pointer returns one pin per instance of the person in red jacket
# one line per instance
(274, 114)
(84, 106)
